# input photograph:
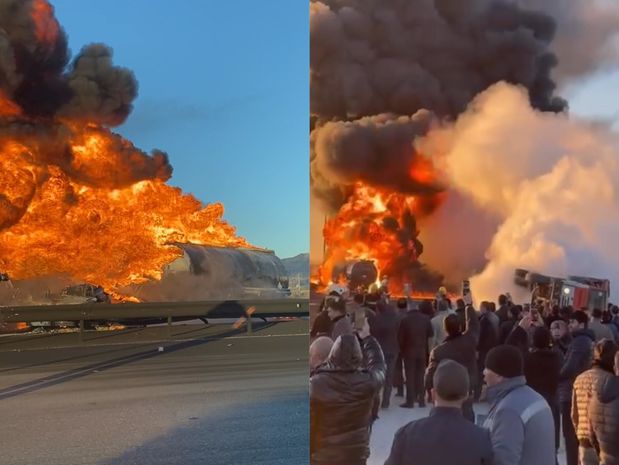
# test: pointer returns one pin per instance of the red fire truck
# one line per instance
(579, 292)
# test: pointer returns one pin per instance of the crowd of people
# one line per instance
(544, 372)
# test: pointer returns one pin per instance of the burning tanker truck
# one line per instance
(202, 272)
(209, 272)
(356, 273)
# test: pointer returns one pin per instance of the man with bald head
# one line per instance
(318, 352)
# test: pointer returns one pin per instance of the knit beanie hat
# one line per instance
(451, 380)
(505, 361)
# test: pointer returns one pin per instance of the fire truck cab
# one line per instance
(579, 292)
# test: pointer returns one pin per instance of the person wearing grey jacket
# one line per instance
(520, 420)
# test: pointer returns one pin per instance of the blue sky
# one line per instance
(224, 89)
(595, 97)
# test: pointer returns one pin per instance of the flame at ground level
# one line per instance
(55, 225)
(378, 225)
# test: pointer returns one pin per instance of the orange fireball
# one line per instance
(379, 224)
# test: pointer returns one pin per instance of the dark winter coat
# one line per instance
(443, 438)
(488, 334)
(461, 348)
(561, 347)
(342, 394)
(604, 419)
(541, 369)
(505, 329)
(384, 327)
(322, 325)
(461, 313)
(519, 338)
(503, 313)
(413, 334)
(578, 358)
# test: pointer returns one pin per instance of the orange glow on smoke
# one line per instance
(359, 232)
(423, 171)
(7, 107)
(46, 26)
(56, 222)
(369, 226)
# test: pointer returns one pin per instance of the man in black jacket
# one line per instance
(561, 340)
(323, 325)
(503, 311)
(414, 337)
(488, 339)
(398, 377)
(342, 393)
(577, 360)
(506, 327)
(460, 347)
(384, 327)
(445, 437)
(461, 312)
(541, 369)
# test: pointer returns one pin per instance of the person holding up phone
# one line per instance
(342, 393)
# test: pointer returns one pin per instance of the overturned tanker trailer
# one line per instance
(206, 272)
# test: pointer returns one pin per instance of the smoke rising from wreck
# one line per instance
(551, 181)
(375, 57)
(351, 151)
(33, 68)
(55, 103)
(77, 199)
(385, 73)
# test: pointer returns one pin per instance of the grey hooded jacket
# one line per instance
(521, 424)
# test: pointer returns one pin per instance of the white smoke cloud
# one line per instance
(456, 236)
(552, 181)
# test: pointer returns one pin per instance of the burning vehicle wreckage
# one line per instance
(374, 241)
(78, 200)
(201, 273)
(407, 146)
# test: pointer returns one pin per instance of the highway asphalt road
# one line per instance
(212, 396)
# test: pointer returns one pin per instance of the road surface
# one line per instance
(212, 395)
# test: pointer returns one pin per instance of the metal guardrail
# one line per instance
(211, 308)
(260, 308)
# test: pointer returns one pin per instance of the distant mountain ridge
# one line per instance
(298, 266)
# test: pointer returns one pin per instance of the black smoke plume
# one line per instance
(63, 103)
(373, 57)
